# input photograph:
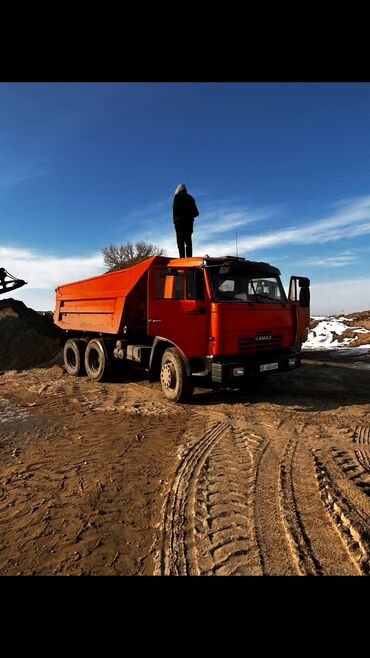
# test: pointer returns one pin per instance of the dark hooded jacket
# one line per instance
(184, 207)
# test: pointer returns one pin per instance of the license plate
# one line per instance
(269, 366)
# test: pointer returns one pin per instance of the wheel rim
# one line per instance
(168, 376)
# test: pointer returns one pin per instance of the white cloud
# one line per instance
(339, 260)
(208, 227)
(223, 220)
(348, 296)
(44, 273)
(10, 253)
(37, 298)
(350, 219)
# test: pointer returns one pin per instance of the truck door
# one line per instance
(299, 295)
(177, 308)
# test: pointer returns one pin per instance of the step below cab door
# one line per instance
(177, 308)
(299, 296)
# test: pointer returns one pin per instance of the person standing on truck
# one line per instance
(184, 212)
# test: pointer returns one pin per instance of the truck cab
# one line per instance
(228, 317)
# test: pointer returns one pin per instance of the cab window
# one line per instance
(178, 287)
(194, 284)
(178, 284)
(169, 284)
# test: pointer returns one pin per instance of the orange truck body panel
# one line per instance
(97, 304)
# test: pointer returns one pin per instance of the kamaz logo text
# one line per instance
(263, 338)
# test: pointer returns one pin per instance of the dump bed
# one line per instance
(97, 304)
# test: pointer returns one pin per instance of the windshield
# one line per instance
(237, 286)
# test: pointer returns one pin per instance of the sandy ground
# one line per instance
(111, 479)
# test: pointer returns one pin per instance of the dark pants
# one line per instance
(184, 232)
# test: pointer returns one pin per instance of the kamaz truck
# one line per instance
(222, 320)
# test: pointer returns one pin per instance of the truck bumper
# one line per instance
(232, 372)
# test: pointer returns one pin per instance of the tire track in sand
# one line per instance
(351, 520)
(208, 521)
(362, 435)
(294, 531)
(299, 542)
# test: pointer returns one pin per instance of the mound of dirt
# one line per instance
(27, 338)
(352, 338)
(362, 319)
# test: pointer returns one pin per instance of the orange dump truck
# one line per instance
(223, 320)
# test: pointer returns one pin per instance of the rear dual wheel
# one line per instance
(74, 352)
(82, 357)
(95, 360)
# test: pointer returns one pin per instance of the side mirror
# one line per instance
(303, 282)
(304, 297)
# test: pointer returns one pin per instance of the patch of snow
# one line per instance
(321, 337)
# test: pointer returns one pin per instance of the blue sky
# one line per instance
(286, 166)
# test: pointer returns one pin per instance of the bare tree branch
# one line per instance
(120, 256)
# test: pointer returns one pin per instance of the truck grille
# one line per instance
(252, 344)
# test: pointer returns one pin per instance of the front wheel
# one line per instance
(176, 383)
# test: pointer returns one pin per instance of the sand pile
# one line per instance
(27, 339)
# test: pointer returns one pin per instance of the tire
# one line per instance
(95, 360)
(73, 355)
(176, 383)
